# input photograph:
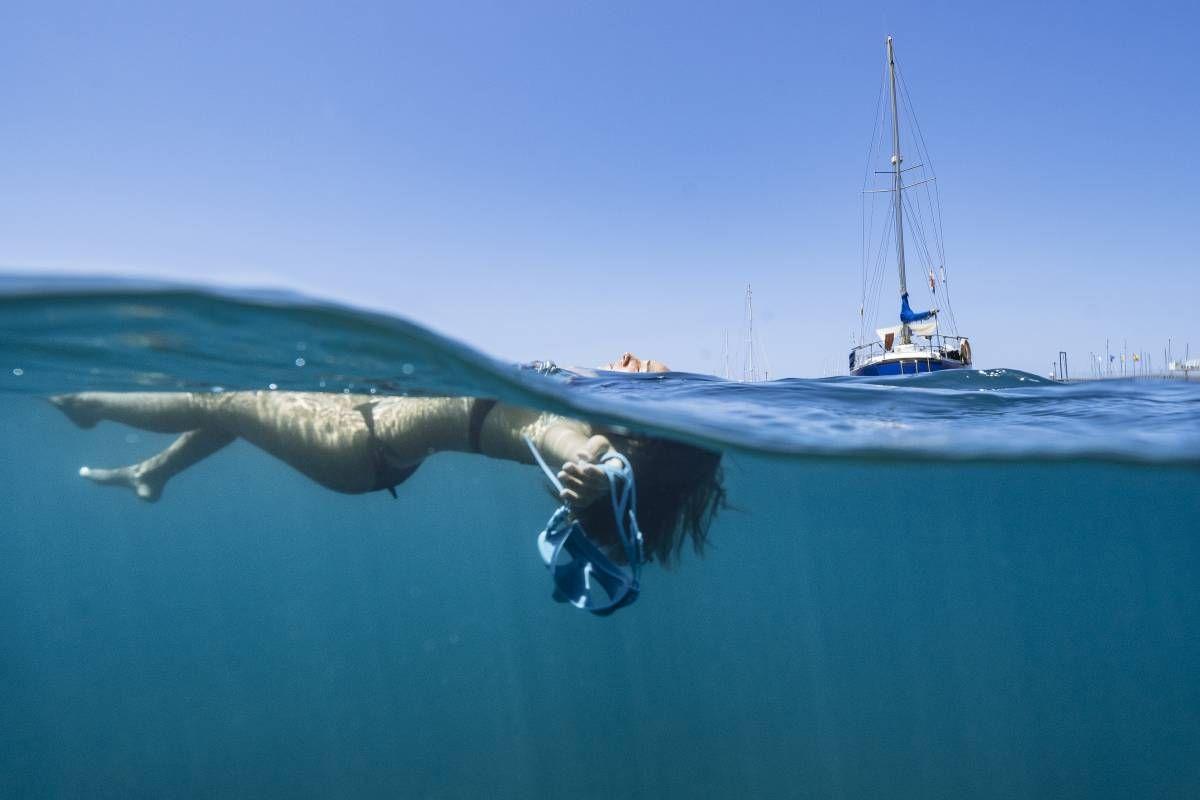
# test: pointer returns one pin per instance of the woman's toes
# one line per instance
(129, 477)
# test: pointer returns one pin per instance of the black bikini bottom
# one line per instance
(387, 474)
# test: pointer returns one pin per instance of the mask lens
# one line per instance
(587, 578)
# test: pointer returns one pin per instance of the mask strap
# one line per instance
(541, 462)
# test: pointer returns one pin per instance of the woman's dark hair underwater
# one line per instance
(679, 492)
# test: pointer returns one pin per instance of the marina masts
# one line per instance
(897, 188)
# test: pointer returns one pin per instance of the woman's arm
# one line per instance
(557, 438)
(560, 440)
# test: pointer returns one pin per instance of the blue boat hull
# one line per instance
(907, 367)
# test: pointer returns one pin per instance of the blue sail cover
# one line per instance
(907, 315)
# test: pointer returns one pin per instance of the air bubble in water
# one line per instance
(272, 386)
(18, 371)
(300, 362)
(407, 368)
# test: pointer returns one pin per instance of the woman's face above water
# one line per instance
(628, 362)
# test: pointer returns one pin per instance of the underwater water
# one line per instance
(972, 584)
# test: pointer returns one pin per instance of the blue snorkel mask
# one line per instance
(583, 574)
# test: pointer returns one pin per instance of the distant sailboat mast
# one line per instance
(725, 373)
(897, 188)
(750, 331)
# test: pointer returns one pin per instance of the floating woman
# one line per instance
(362, 443)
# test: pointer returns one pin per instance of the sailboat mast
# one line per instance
(750, 330)
(725, 373)
(897, 188)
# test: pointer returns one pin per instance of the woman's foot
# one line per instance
(79, 409)
(132, 477)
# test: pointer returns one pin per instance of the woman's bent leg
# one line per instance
(148, 478)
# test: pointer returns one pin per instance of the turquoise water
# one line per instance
(978, 584)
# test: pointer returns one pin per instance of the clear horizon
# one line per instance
(567, 182)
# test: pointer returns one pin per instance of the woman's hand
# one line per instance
(583, 480)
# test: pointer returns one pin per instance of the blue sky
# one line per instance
(567, 180)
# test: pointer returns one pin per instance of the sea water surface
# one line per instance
(968, 584)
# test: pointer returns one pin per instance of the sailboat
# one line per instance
(920, 341)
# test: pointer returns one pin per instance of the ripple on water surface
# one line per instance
(69, 336)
